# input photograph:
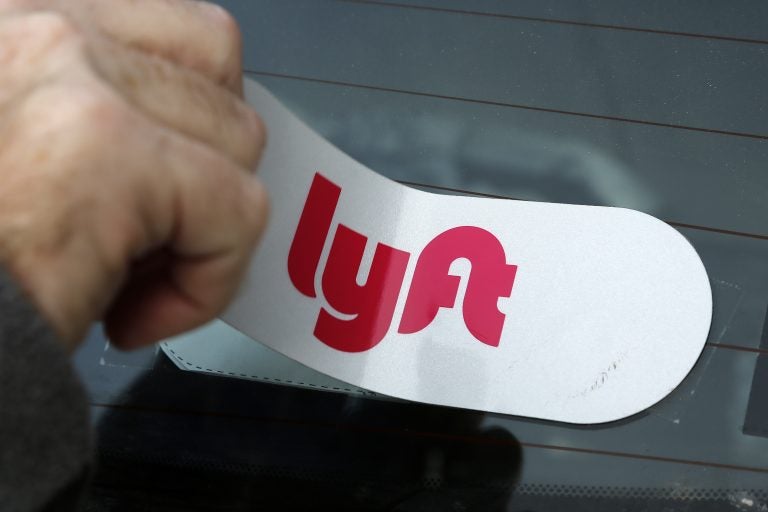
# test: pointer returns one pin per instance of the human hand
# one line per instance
(124, 156)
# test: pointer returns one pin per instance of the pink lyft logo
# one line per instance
(373, 303)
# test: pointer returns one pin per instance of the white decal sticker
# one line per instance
(580, 314)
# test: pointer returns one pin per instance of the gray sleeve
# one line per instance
(44, 425)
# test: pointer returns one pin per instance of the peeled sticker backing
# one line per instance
(579, 314)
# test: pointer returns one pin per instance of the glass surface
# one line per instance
(656, 106)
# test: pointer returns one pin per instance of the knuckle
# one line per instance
(257, 137)
(15, 5)
(255, 208)
(38, 33)
(88, 115)
(226, 56)
(52, 27)
(97, 111)
(39, 41)
(228, 27)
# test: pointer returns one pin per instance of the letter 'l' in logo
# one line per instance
(372, 304)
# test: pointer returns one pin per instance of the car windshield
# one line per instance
(656, 106)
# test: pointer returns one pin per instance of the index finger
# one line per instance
(198, 35)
